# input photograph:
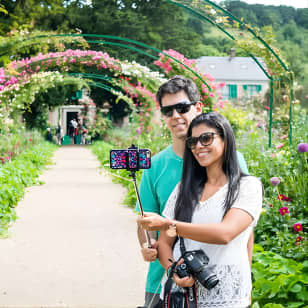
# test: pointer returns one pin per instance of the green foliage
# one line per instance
(18, 174)
(237, 118)
(14, 140)
(24, 43)
(275, 231)
(99, 128)
(18, 98)
(155, 140)
(277, 281)
(36, 115)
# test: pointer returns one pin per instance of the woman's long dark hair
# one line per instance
(194, 176)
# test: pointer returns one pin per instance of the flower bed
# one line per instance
(17, 174)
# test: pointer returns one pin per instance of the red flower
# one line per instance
(30, 139)
(284, 210)
(283, 198)
(299, 239)
(267, 108)
(270, 205)
(298, 227)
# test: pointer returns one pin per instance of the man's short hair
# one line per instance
(177, 84)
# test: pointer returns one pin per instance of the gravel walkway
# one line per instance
(74, 245)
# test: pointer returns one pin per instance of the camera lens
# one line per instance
(208, 279)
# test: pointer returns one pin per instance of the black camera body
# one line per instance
(196, 264)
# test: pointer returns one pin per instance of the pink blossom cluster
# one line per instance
(6, 158)
(69, 55)
(6, 80)
(180, 57)
(62, 60)
(165, 62)
(131, 89)
(168, 64)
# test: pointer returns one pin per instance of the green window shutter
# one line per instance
(232, 91)
(259, 88)
(245, 87)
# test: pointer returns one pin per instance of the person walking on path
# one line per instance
(179, 101)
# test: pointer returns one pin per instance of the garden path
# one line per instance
(74, 244)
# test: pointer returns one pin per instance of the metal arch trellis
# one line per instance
(98, 84)
(123, 45)
(209, 11)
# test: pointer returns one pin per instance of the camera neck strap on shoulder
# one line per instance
(189, 296)
(182, 246)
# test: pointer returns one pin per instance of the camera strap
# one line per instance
(189, 294)
(182, 246)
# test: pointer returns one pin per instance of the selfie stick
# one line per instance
(133, 175)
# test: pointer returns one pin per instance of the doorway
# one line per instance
(70, 115)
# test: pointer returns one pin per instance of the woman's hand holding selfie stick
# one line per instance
(153, 222)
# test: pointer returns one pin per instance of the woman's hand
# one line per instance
(153, 222)
(184, 282)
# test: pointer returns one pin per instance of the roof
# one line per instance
(232, 68)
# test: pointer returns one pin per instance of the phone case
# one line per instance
(144, 159)
(118, 159)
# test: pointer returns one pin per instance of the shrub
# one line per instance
(278, 282)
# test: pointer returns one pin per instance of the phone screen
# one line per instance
(118, 159)
(130, 159)
(144, 159)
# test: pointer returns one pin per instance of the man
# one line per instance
(179, 100)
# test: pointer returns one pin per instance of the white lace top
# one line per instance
(230, 262)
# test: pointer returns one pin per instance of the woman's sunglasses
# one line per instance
(181, 107)
(205, 139)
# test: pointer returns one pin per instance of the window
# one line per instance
(232, 91)
(229, 91)
(252, 89)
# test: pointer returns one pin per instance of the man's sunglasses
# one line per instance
(205, 139)
(181, 107)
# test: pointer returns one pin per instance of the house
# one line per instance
(242, 76)
(83, 109)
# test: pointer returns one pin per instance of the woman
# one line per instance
(214, 208)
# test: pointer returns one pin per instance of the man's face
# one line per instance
(178, 123)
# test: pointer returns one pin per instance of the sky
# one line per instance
(294, 3)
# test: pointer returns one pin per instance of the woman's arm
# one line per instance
(235, 222)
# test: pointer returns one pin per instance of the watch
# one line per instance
(171, 231)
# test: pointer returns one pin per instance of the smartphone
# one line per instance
(130, 159)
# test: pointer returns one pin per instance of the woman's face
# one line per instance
(212, 153)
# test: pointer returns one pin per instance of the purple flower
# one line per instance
(302, 147)
(275, 181)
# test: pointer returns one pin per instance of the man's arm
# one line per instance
(149, 254)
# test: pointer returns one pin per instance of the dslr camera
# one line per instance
(196, 264)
